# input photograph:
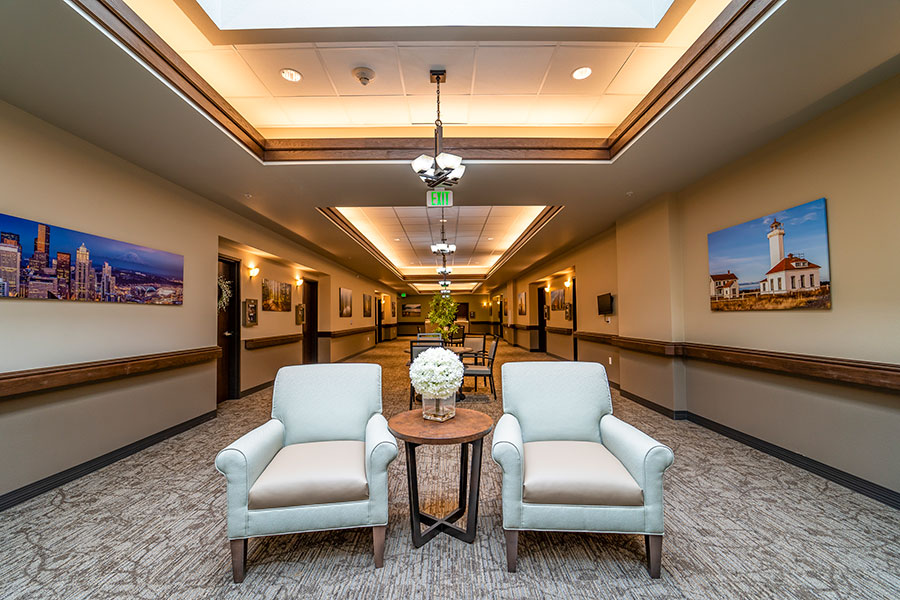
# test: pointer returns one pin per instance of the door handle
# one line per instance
(228, 333)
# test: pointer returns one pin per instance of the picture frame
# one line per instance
(43, 261)
(276, 295)
(250, 312)
(779, 261)
(522, 304)
(345, 308)
(300, 314)
(411, 310)
(558, 299)
(393, 308)
(367, 306)
(472, 314)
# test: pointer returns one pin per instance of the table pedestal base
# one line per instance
(468, 494)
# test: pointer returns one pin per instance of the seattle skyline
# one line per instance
(43, 261)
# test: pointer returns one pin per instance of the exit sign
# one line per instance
(438, 198)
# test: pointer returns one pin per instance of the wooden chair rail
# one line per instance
(275, 340)
(884, 376)
(15, 383)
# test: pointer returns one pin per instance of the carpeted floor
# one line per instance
(739, 524)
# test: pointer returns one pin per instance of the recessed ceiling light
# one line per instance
(490, 239)
(396, 239)
(443, 220)
(581, 73)
(291, 75)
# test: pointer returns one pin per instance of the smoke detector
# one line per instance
(364, 75)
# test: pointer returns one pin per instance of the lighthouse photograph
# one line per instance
(775, 262)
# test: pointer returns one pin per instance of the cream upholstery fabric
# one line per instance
(312, 473)
(581, 473)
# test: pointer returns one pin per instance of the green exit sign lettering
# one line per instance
(438, 198)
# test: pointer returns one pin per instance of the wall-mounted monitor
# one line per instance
(605, 304)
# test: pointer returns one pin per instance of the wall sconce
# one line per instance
(547, 289)
(299, 281)
(484, 303)
(568, 283)
(253, 272)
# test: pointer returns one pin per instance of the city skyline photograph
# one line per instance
(45, 261)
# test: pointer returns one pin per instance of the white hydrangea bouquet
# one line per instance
(437, 373)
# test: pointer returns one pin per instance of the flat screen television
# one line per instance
(605, 304)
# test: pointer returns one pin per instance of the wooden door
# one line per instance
(311, 326)
(542, 321)
(228, 335)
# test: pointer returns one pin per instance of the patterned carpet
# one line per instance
(739, 524)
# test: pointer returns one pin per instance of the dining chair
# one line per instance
(416, 347)
(485, 369)
(477, 343)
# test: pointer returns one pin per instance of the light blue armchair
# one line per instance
(320, 463)
(569, 465)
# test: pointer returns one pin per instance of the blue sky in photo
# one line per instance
(744, 248)
(120, 255)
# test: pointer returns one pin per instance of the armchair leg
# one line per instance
(653, 547)
(238, 559)
(378, 542)
(512, 549)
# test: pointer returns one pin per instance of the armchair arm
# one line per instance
(381, 449)
(643, 457)
(508, 452)
(242, 463)
(381, 446)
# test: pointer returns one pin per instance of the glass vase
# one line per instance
(439, 409)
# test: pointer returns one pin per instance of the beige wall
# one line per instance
(660, 274)
(259, 366)
(849, 156)
(53, 177)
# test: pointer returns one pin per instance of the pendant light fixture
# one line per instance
(443, 169)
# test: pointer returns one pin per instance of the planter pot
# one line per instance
(439, 409)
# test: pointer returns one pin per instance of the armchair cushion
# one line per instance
(578, 473)
(312, 473)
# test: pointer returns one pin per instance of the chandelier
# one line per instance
(443, 249)
(442, 169)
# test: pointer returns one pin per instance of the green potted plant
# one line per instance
(442, 315)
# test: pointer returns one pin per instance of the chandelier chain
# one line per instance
(438, 120)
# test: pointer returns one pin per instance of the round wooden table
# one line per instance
(467, 428)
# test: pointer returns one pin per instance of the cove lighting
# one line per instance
(291, 75)
(581, 73)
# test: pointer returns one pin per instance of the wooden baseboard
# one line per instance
(48, 483)
(257, 388)
(848, 480)
(678, 415)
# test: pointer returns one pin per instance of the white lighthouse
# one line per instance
(776, 243)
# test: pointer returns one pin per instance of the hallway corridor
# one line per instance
(153, 526)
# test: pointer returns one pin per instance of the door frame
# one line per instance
(542, 321)
(234, 361)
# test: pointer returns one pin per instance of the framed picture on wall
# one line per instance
(276, 296)
(522, 304)
(411, 310)
(346, 302)
(300, 314)
(393, 308)
(776, 262)
(472, 314)
(367, 306)
(74, 266)
(558, 299)
(250, 312)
